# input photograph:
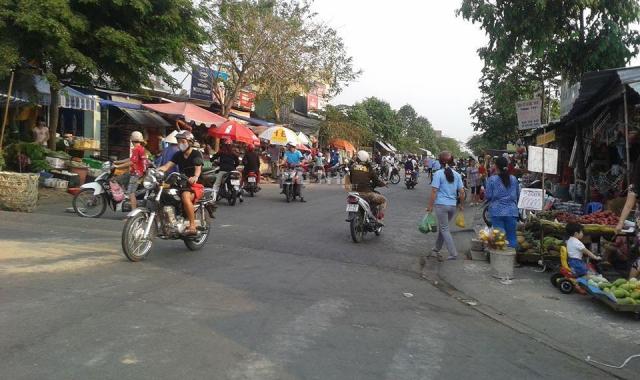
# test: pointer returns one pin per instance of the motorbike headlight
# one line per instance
(149, 182)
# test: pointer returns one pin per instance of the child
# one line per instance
(576, 249)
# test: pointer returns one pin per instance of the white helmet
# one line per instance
(136, 136)
(363, 156)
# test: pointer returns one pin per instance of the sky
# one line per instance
(413, 52)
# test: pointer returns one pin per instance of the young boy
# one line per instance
(576, 249)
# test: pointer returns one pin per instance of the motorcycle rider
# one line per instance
(189, 161)
(363, 179)
(251, 163)
(293, 158)
(228, 161)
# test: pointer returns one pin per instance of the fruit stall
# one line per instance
(620, 295)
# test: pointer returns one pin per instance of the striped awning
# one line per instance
(74, 99)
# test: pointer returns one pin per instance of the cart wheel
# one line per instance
(566, 286)
(555, 279)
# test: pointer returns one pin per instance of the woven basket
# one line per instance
(18, 191)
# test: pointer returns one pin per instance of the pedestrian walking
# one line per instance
(502, 193)
(447, 191)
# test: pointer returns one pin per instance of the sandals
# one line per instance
(190, 232)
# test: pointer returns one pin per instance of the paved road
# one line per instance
(280, 292)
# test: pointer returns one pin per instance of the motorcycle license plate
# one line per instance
(235, 182)
(352, 207)
(251, 179)
(408, 176)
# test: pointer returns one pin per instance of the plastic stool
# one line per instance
(593, 207)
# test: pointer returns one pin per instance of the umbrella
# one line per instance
(280, 136)
(189, 111)
(343, 144)
(303, 148)
(236, 132)
(303, 139)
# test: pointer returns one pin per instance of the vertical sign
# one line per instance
(529, 112)
(550, 160)
(202, 79)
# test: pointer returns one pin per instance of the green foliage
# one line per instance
(479, 143)
(569, 37)
(277, 45)
(34, 152)
(534, 42)
(2, 160)
(115, 42)
(373, 119)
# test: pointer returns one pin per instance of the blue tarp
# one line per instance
(252, 120)
(133, 106)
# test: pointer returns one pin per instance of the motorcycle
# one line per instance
(394, 175)
(292, 183)
(362, 218)
(317, 174)
(163, 216)
(94, 197)
(410, 179)
(251, 186)
(229, 188)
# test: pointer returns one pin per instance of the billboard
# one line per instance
(202, 79)
(245, 100)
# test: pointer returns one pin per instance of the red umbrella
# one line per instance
(236, 132)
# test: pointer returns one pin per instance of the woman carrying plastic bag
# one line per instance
(446, 190)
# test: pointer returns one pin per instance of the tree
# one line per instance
(337, 124)
(416, 131)
(568, 37)
(275, 44)
(478, 143)
(450, 144)
(377, 116)
(115, 43)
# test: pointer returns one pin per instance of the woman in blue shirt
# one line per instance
(446, 189)
(502, 192)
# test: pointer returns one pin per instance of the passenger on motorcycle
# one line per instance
(293, 158)
(363, 179)
(189, 161)
(228, 161)
(251, 163)
(411, 164)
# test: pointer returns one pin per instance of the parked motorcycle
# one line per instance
(362, 218)
(94, 197)
(251, 186)
(292, 183)
(410, 179)
(164, 217)
(229, 188)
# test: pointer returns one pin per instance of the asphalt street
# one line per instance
(279, 292)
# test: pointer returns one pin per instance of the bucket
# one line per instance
(477, 245)
(502, 263)
(82, 174)
(478, 255)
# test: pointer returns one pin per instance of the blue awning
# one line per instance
(74, 99)
(252, 120)
(133, 106)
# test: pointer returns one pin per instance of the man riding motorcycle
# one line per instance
(293, 158)
(228, 161)
(189, 161)
(251, 163)
(363, 179)
(412, 164)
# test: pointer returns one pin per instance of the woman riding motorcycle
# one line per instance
(228, 161)
(251, 163)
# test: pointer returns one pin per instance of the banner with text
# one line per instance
(529, 112)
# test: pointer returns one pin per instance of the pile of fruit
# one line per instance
(527, 242)
(494, 238)
(605, 218)
(625, 292)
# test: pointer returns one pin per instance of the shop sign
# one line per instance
(535, 159)
(529, 112)
(245, 100)
(202, 79)
(546, 138)
(530, 199)
(316, 98)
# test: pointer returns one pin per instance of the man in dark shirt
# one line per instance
(251, 163)
(363, 179)
(189, 161)
(228, 161)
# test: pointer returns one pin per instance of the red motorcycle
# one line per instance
(251, 183)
